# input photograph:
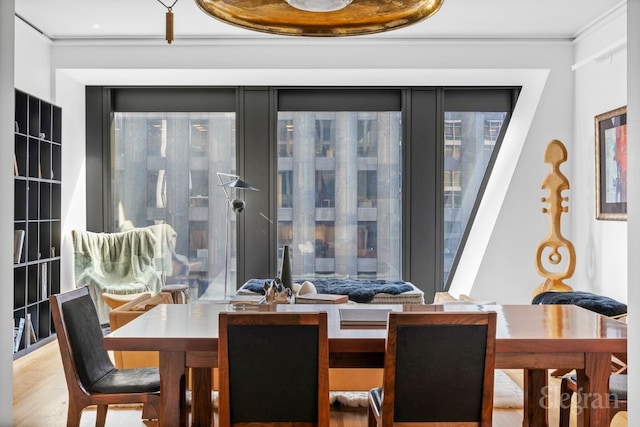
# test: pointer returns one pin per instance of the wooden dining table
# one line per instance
(529, 337)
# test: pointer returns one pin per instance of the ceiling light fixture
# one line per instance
(320, 18)
(319, 5)
(169, 21)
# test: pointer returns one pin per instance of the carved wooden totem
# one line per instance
(552, 247)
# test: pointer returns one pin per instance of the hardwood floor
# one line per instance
(40, 398)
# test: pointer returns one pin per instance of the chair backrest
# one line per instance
(80, 338)
(273, 368)
(439, 368)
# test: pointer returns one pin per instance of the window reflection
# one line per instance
(325, 138)
(367, 135)
(164, 168)
(339, 202)
(325, 189)
(469, 141)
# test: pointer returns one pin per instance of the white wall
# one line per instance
(7, 116)
(32, 62)
(600, 86)
(70, 97)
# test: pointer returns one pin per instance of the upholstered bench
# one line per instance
(367, 291)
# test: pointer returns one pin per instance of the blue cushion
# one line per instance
(358, 290)
(598, 303)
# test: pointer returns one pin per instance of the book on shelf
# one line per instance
(17, 334)
(18, 243)
(43, 280)
(363, 316)
(322, 299)
(16, 172)
(32, 333)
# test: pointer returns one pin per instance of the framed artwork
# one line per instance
(611, 164)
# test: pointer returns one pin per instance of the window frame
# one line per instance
(422, 114)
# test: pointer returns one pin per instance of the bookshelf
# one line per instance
(37, 211)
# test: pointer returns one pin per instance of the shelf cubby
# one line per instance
(45, 121)
(34, 158)
(34, 116)
(32, 241)
(45, 200)
(20, 204)
(33, 283)
(56, 208)
(46, 171)
(45, 240)
(20, 155)
(56, 157)
(33, 190)
(56, 128)
(21, 113)
(19, 287)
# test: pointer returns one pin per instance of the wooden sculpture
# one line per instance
(549, 249)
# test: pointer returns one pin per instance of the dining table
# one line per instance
(534, 338)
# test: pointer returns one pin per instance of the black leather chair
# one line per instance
(438, 370)
(273, 369)
(91, 377)
(617, 396)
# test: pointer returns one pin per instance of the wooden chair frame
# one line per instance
(385, 417)
(318, 319)
(79, 396)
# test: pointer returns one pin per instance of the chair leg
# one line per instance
(73, 416)
(149, 412)
(565, 403)
(101, 415)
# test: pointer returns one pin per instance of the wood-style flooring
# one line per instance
(40, 399)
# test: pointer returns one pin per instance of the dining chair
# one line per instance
(438, 370)
(617, 396)
(91, 377)
(273, 369)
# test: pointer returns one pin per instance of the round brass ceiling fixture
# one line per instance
(320, 18)
(319, 5)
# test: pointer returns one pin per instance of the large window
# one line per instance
(339, 192)
(359, 182)
(164, 172)
(469, 141)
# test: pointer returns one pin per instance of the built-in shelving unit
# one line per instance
(37, 212)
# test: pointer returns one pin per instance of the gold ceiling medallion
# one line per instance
(320, 18)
